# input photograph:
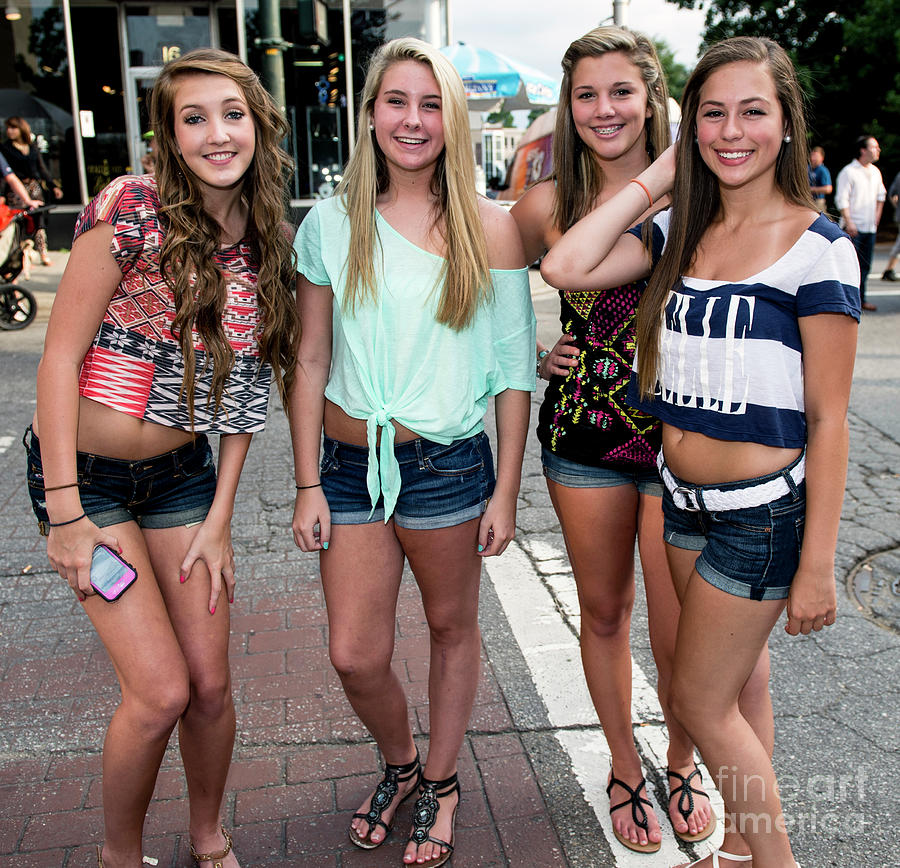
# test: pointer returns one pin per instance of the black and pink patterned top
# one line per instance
(135, 364)
(584, 416)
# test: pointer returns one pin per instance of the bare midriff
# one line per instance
(703, 460)
(346, 429)
(114, 434)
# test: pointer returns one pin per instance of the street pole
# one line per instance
(273, 46)
(620, 12)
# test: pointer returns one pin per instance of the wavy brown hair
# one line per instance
(193, 236)
(577, 173)
(465, 273)
(695, 196)
(22, 126)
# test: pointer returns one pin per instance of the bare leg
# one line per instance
(715, 628)
(153, 677)
(663, 610)
(599, 525)
(206, 729)
(361, 574)
(448, 572)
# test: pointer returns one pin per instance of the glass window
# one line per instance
(34, 80)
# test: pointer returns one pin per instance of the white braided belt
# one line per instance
(693, 498)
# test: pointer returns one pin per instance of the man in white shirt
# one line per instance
(860, 197)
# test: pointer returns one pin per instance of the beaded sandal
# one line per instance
(685, 806)
(215, 858)
(425, 815)
(384, 794)
(637, 802)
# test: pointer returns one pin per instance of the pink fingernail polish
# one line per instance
(181, 578)
(212, 610)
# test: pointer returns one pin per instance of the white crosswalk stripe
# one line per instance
(539, 611)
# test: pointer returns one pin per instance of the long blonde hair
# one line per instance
(695, 196)
(578, 175)
(192, 236)
(465, 274)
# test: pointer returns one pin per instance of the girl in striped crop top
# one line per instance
(746, 343)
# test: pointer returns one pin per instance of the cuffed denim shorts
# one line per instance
(753, 552)
(440, 486)
(571, 474)
(168, 490)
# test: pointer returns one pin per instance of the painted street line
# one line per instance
(541, 607)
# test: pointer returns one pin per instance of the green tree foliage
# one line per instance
(676, 73)
(847, 54)
(535, 113)
(502, 116)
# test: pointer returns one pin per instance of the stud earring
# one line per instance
(787, 140)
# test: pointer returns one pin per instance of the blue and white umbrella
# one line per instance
(489, 77)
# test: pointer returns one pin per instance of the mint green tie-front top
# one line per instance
(392, 360)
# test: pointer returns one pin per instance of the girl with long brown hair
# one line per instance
(173, 317)
(746, 342)
(416, 310)
(599, 455)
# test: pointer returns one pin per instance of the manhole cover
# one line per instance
(875, 585)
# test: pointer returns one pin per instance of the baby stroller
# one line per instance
(18, 306)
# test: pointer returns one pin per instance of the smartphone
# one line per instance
(111, 576)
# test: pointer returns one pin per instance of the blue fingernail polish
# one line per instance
(325, 546)
(480, 547)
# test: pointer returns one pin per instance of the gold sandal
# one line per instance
(215, 858)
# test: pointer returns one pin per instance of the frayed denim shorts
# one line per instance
(168, 490)
(440, 485)
(571, 474)
(752, 552)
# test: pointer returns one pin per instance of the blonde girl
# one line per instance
(416, 310)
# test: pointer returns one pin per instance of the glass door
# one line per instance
(151, 36)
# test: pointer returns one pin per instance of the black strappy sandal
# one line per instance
(384, 794)
(685, 806)
(637, 802)
(425, 815)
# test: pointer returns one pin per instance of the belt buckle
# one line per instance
(690, 500)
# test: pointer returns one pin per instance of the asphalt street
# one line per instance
(836, 693)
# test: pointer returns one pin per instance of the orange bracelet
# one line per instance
(643, 186)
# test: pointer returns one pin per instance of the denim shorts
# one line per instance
(440, 485)
(168, 490)
(571, 474)
(753, 552)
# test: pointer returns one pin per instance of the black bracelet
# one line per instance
(316, 485)
(61, 487)
(64, 523)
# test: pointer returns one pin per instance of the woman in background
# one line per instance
(22, 154)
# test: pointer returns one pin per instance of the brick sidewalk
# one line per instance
(302, 762)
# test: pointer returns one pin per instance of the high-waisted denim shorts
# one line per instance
(168, 490)
(440, 485)
(571, 474)
(752, 552)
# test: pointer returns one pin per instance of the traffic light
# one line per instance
(312, 18)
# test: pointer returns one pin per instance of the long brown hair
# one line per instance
(695, 196)
(192, 236)
(22, 126)
(578, 175)
(465, 274)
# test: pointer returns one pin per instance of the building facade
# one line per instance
(79, 71)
